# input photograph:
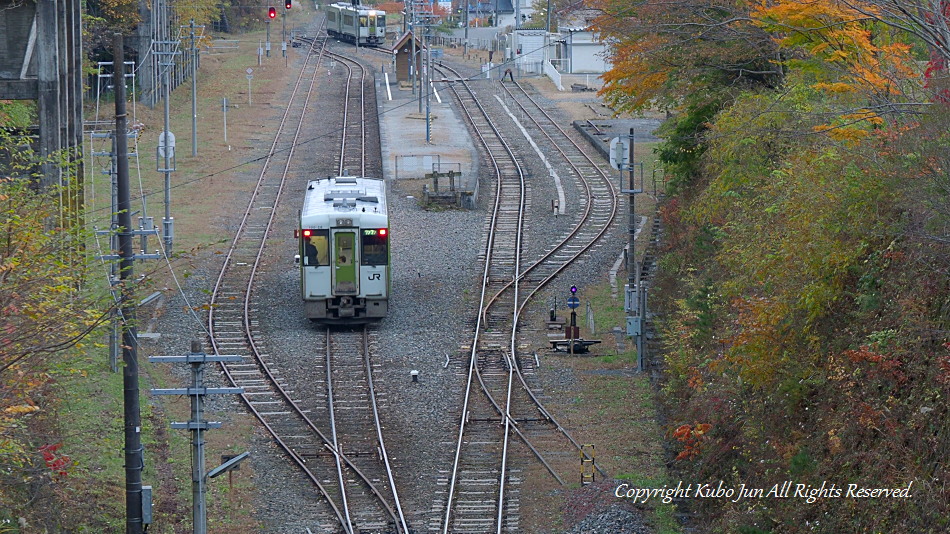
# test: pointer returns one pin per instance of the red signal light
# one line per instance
(287, 4)
(272, 12)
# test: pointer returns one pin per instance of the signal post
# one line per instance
(573, 332)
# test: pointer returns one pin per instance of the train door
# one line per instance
(345, 281)
(371, 29)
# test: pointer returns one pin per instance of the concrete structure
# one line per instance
(41, 59)
(407, 155)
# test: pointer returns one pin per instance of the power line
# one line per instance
(328, 134)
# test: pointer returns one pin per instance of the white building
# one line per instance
(577, 51)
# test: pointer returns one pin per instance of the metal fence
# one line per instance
(415, 166)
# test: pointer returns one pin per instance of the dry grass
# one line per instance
(208, 191)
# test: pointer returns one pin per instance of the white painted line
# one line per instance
(389, 92)
(436, 93)
(557, 179)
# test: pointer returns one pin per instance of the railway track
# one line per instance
(480, 497)
(598, 194)
(356, 495)
(478, 500)
(360, 123)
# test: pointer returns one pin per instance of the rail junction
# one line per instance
(337, 437)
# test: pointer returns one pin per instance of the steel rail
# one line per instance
(490, 246)
(346, 132)
(336, 446)
(350, 64)
(239, 234)
(248, 334)
(595, 239)
(587, 186)
(379, 430)
(399, 520)
(577, 228)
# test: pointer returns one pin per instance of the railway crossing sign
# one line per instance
(573, 302)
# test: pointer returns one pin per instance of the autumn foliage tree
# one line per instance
(805, 294)
(666, 53)
(45, 314)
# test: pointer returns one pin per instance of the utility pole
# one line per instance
(134, 460)
(224, 109)
(194, 80)
(622, 158)
(413, 63)
(165, 58)
(547, 24)
(197, 425)
(428, 80)
(194, 92)
(465, 45)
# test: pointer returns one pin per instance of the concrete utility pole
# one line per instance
(428, 81)
(134, 461)
(194, 92)
(224, 109)
(165, 59)
(547, 23)
(413, 63)
(635, 296)
(633, 267)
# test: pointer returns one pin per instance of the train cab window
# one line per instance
(344, 248)
(375, 247)
(316, 248)
(363, 21)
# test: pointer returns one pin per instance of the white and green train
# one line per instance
(355, 23)
(343, 242)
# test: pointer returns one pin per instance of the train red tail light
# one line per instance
(383, 232)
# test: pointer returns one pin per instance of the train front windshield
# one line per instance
(373, 21)
(375, 247)
(315, 247)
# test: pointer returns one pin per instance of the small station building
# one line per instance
(402, 51)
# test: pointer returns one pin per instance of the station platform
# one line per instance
(406, 154)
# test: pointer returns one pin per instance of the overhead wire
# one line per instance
(327, 134)
(143, 195)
